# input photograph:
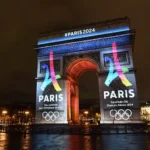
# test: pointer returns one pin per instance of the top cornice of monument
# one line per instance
(81, 32)
(106, 23)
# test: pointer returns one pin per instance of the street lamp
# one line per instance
(86, 113)
(4, 112)
(13, 119)
(27, 113)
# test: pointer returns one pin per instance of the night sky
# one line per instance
(21, 23)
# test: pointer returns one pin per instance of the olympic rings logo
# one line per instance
(50, 115)
(121, 114)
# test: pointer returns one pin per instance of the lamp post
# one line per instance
(4, 112)
(86, 113)
(13, 119)
(27, 113)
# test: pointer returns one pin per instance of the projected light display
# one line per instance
(122, 97)
(104, 48)
(120, 72)
(55, 83)
(90, 32)
(47, 79)
(112, 75)
(51, 101)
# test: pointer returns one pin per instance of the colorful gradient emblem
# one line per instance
(119, 71)
(51, 73)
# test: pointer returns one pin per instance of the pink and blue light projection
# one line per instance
(51, 72)
(53, 76)
(119, 71)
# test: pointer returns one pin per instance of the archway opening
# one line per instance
(89, 102)
(75, 72)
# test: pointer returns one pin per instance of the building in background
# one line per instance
(145, 112)
(17, 113)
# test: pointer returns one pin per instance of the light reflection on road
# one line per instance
(74, 142)
(3, 141)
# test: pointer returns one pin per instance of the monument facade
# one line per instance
(106, 48)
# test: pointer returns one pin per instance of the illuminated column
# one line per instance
(100, 83)
(72, 108)
(68, 102)
(64, 117)
(75, 105)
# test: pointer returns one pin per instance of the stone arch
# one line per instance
(74, 69)
(76, 66)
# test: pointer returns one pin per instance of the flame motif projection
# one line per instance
(51, 73)
(119, 71)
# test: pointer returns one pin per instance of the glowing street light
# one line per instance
(27, 113)
(86, 113)
(4, 112)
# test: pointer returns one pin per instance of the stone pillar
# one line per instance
(73, 108)
(100, 83)
(68, 102)
(75, 105)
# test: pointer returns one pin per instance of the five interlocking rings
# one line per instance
(50, 115)
(121, 114)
